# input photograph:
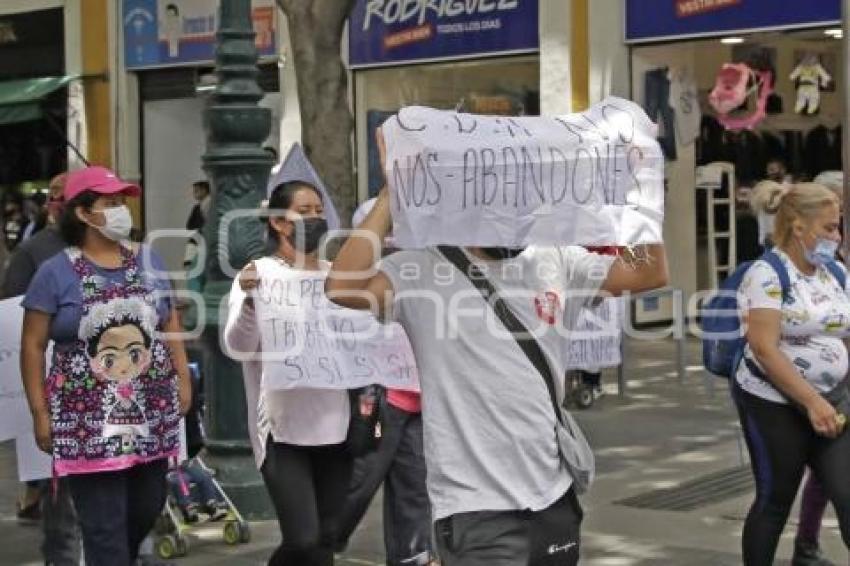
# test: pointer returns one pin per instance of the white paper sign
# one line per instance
(309, 342)
(595, 341)
(15, 418)
(184, 444)
(594, 178)
(33, 464)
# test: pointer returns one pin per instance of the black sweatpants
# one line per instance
(549, 537)
(116, 510)
(399, 465)
(307, 485)
(782, 443)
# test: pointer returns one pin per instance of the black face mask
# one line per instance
(502, 253)
(308, 233)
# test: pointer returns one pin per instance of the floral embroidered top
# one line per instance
(814, 322)
(112, 389)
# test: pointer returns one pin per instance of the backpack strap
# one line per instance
(778, 266)
(524, 339)
(772, 259)
(785, 281)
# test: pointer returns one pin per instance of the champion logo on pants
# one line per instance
(566, 547)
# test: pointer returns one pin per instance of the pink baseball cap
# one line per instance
(99, 180)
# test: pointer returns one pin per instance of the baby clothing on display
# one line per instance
(811, 77)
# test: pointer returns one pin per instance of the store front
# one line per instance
(680, 47)
(481, 58)
(170, 46)
(33, 116)
(32, 47)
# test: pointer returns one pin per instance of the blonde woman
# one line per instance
(791, 392)
(813, 502)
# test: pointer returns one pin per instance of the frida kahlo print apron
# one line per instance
(113, 394)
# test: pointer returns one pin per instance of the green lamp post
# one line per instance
(238, 170)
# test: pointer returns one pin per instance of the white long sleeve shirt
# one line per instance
(303, 417)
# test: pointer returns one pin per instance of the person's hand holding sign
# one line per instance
(360, 253)
(249, 281)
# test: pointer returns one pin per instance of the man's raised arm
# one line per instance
(353, 281)
(642, 269)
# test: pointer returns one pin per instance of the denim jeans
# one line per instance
(116, 510)
(398, 464)
(657, 102)
(61, 545)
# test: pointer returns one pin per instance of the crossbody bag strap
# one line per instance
(520, 333)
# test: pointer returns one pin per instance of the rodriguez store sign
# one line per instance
(395, 31)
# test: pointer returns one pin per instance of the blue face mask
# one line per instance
(823, 252)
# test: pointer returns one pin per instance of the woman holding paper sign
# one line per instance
(297, 435)
(109, 407)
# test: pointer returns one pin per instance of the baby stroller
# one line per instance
(580, 390)
(173, 525)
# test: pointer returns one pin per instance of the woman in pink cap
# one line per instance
(109, 407)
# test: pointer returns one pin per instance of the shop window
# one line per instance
(506, 86)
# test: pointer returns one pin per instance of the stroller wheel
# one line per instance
(182, 546)
(245, 533)
(232, 532)
(584, 397)
(166, 547)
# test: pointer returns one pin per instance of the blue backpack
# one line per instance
(722, 342)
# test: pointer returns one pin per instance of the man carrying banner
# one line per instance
(505, 463)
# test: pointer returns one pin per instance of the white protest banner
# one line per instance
(309, 342)
(15, 418)
(594, 341)
(33, 464)
(184, 444)
(593, 178)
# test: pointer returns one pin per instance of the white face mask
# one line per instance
(119, 222)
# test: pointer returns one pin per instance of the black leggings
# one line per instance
(307, 485)
(782, 443)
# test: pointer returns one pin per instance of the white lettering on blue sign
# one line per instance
(402, 11)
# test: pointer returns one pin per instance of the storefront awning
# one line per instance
(20, 101)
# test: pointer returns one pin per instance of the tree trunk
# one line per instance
(315, 28)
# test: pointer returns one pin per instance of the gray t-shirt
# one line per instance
(489, 425)
(27, 258)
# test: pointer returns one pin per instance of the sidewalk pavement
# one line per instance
(665, 435)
